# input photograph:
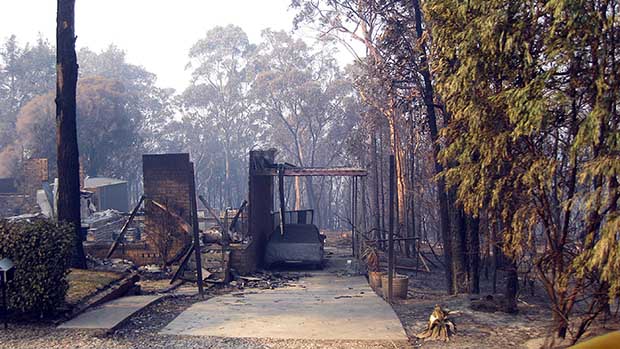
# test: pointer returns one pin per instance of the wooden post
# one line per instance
(391, 231)
(195, 230)
(120, 236)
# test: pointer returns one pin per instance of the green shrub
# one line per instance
(40, 251)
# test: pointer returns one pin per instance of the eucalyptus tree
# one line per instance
(308, 104)
(216, 104)
(398, 84)
(25, 72)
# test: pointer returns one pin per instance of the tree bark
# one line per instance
(512, 287)
(66, 127)
(473, 243)
(297, 193)
(459, 252)
(428, 96)
(376, 187)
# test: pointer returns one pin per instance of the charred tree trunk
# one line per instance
(442, 198)
(473, 243)
(413, 234)
(311, 197)
(66, 127)
(512, 287)
(496, 259)
(459, 252)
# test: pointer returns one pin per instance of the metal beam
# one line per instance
(314, 171)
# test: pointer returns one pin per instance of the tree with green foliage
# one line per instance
(398, 83)
(533, 90)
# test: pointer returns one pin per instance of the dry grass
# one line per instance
(84, 283)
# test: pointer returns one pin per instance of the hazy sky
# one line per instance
(156, 34)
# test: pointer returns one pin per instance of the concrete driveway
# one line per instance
(323, 306)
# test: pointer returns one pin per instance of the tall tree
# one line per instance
(66, 127)
(307, 103)
(533, 88)
(101, 104)
(25, 72)
(398, 83)
(216, 104)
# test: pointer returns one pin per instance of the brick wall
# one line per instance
(167, 181)
(137, 252)
(243, 257)
(37, 169)
(35, 172)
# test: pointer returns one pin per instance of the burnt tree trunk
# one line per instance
(473, 243)
(459, 248)
(512, 286)
(442, 197)
(412, 204)
(66, 127)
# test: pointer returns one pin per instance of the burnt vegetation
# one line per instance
(502, 117)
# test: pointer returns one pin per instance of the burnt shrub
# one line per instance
(40, 250)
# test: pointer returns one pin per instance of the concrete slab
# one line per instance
(110, 315)
(321, 307)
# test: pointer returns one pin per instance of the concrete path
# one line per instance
(323, 307)
(110, 315)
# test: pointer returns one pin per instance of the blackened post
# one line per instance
(391, 231)
(281, 196)
(195, 230)
(5, 307)
(352, 219)
(120, 236)
(236, 217)
(355, 232)
(353, 216)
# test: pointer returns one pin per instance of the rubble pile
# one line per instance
(214, 235)
(215, 264)
(114, 264)
(104, 225)
(264, 280)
